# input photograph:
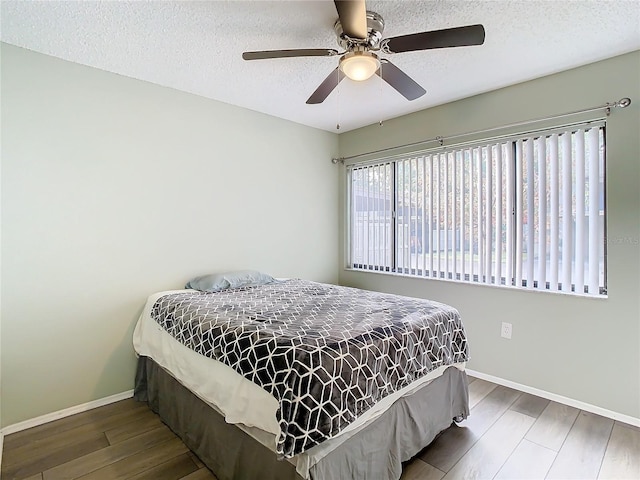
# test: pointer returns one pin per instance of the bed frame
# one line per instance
(375, 452)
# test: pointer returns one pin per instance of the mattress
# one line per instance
(240, 400)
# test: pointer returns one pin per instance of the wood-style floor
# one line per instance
(509, 435)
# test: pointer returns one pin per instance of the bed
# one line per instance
(298, 379)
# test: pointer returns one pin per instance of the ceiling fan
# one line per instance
(359, 32)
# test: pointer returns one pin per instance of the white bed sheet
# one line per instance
(241, 401)
(238, 399)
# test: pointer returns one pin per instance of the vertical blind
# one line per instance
(526, 212)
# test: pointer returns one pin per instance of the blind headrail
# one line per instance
(622, 103)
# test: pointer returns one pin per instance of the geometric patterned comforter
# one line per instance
(326, 353)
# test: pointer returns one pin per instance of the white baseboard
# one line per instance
(557, 398)
(67, 412)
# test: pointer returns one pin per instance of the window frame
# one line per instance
(396, 268)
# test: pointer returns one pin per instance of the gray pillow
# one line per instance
(216, 282)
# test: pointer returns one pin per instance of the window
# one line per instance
(525, 211)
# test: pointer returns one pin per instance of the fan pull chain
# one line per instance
(338, 99)
(381, 123)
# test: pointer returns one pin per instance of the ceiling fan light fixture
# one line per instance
(359, 66)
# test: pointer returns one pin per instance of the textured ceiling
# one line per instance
(197, 46)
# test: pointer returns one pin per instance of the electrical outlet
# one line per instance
(506, 330)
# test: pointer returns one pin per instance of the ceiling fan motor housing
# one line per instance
(375, 27)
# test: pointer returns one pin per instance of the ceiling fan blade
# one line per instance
(302, 52)
(399, 80)
(353, 17)
(449, 37)
(326, 87)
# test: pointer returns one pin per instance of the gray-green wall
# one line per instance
(581, 348)
(112, 189)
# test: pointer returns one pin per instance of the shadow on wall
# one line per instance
(118, 372)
